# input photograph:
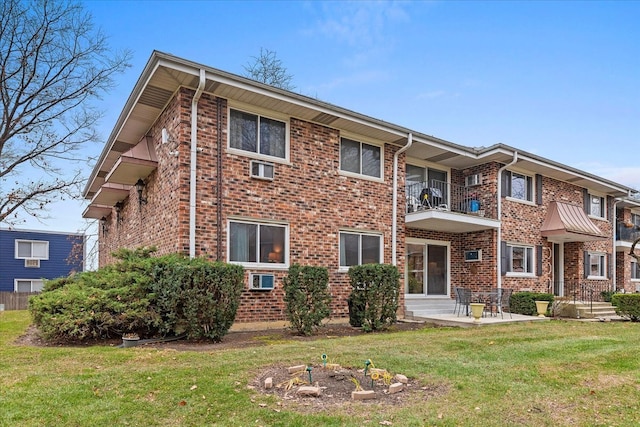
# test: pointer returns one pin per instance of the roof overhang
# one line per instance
(136, 163)
(569, 223)
(96, 211)
(449, 222)
(165, 74)
(110, 194)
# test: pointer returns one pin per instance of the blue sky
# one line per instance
(558, 79)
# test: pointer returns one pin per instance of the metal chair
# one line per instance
(463, 299)
(504, 301)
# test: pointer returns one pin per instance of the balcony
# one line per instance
(440, 206)
(626, 235)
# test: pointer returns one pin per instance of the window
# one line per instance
(359, 248)
(28, 285)
(257, 134)
(596, 206)
(518, 186)
(635, 271)
(258, 243)
(520, 259)
(32, 249)
(360, 158)
(635, 219)
(596, 264)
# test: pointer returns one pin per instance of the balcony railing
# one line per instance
(442, 195)
(627, 234)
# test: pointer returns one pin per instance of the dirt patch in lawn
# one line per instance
(334, 386)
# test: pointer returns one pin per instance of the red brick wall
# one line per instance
(308, 193)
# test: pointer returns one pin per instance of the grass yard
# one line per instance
(553, 373)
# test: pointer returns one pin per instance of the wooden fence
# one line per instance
(15, 300)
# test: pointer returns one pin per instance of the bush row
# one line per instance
(172, 295)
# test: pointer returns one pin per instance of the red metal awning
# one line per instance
(569, 223)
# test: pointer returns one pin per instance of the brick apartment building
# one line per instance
(208, 163)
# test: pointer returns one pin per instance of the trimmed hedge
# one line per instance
(307, 297)
(525, 302)
(140, 294)
(627, 305)
(374, 298)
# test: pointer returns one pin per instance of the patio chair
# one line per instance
(463, 299)
(504, 301)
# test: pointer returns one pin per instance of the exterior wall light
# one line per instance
(118, 207)
(140, 185)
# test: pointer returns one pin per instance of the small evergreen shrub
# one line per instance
(525, 302)
(627, 305)
(197, 297)
(606, 295)
(306, 297)
(374, 298)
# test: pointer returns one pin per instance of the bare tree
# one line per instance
(54, 65)
(267, 68)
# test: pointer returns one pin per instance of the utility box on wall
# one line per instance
(473, 255)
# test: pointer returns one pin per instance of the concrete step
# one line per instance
(595, 310)
(427, 306)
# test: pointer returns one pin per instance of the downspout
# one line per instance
(394, 218)
(613, 247)
(194, 158)
(499, 243)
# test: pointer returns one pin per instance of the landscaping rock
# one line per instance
(363, 395)
(396, 388)
(309, 391)
(268, 383)
(401, 379)
(297, 368)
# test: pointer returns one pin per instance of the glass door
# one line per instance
(436, 270)
(426, 270)
(415, 269)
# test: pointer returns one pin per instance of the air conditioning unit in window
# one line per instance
(473, 180)
(261, 282)
(262, 170)
(32, 263)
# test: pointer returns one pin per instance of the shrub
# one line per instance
(606, 295)
(373, 301)
(143, 295)
(525, 302)
(196, 297)
(627, 305)
(306, 297)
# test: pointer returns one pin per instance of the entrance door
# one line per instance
(427, 270)
(558, 269)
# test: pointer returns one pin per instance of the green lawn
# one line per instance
(533, 374)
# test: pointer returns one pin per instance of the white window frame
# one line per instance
(360, 234)
(634, 271)
(258, 263)
(529, 262)
(32, 282)
(602, 265)
(359, 174)
(257, 154)
(32, 242)
(529, 187)
(603, 205)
